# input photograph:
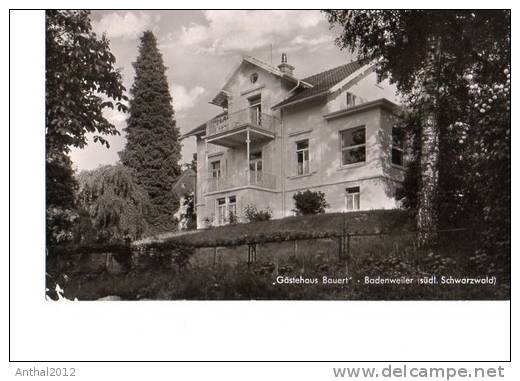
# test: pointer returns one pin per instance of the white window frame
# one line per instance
(305, 169)
(213, 171)
(232, 206)
(256, 172)
(353, 198)
(222, 210)
(352, 147)
(255, 103)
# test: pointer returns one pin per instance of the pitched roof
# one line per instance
(188, 178)
(323, 82)
(221, 96)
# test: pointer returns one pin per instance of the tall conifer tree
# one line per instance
(153, 148)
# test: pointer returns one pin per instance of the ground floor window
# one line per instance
(221, 211)
(226, 209)
(352, 198)
(232, 208)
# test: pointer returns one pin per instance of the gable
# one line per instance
(249, 64)
(322, 83)
(369, 88)
(186, 183)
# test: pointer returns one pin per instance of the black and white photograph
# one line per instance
(260, 194)
(277, 155)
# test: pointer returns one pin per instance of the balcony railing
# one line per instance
(246, 117)
(260, 179)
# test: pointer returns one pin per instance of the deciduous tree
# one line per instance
(80, 81)
(430, 55)
(115, 203)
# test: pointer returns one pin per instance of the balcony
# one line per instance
(256, 179)
(232, 130)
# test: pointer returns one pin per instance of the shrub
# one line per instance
(115, 203)
(189, 214)
(309, 202)
(232, 218)
(208, 221)
(254, 215)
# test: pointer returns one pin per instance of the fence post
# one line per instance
(248, 255)
(340, 248)
(347, 254)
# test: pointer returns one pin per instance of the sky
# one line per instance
(199, 49)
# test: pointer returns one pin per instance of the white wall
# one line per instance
(376, 177)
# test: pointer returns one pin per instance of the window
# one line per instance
(232, 207)
(221, 211)
(398, 146)
(352, 199)
(353, 146)
(226, 209)
(302, 156)
(253, 77)
(255, 167)
(255, 110)
(352, 100)
(215, 169)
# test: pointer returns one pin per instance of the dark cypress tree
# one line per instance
(153, 149)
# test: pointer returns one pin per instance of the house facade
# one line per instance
(277, 135)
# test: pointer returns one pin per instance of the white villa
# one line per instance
(278, 134)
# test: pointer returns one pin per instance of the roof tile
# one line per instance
(323, 81)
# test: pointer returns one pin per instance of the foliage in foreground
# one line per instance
(81, 81)
(189, 213)
(253, 214)
(114, 205)
(176, 270)
(242, 282)
(309, 202)
(453, 69)
(61, 186)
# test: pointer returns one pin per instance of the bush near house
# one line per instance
(309, 202)
(253, 214)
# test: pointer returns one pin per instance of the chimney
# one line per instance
(285, 67)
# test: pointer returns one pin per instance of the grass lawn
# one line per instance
(372, 221)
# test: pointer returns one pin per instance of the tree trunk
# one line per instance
(429, 155)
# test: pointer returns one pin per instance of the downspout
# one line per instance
(282, 151)
(294, 88)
